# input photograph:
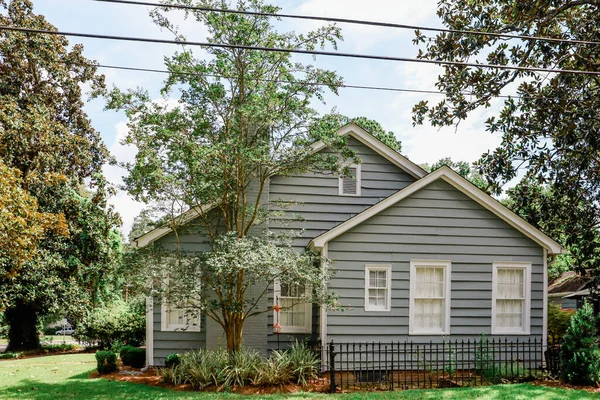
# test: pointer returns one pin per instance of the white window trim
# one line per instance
(166, 327)
(358, 181)
(526, 266)
(388, 277)
(447, 299)
(307, 328)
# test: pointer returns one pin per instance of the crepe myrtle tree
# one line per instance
(206, 152)
(228, 283)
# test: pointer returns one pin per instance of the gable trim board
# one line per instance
(448, 175)
(351, 129)
(377, 145)
(159, 232)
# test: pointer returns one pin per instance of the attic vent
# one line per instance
(350, 183)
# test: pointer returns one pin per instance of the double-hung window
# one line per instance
(296, 311)
(349, 184)
(511, 298)
(179, 319)
(175, 318)
(429, 307)
(378, 282)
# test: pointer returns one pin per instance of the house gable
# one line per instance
(458, 184)
(358, 133)
(435, 224)
(315, 197)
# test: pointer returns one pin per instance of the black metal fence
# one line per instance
(457, 363)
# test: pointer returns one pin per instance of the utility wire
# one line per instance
(353, 21)
(300, 51)
(343, 86)
(163, 71)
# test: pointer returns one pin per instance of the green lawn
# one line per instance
(66, 376)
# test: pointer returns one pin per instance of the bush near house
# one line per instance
(558, 323)
(133, 356)
(106, 361)
(114, 325)
(173, 360)
(202, 368)
(580, 354)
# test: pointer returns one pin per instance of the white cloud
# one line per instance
(363, 37)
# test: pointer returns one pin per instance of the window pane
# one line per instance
(377, 289)
(293, 313)
(429, 282)
(509, 313)
(429, 314)
(292, 299)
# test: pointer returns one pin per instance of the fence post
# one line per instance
(331, 368)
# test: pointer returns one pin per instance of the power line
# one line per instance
(354, 21)
(301, 51)
(365, 87)
(343, 86)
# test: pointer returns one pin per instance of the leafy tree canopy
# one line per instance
(22, 225)
(463, 168)
(241, 117)
(334, 121)
(49, 148)
(550, 126)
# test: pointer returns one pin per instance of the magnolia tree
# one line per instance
(549, 124)
(241, 117)
(58, 245)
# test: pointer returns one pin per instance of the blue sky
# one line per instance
(392, 109)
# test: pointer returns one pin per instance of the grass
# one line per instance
(66, 376)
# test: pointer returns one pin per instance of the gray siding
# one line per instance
(169, 342)
(194, 238)
(316, 198)
(437, 222)
(316, 207)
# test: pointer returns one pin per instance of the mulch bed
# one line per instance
(150, 377)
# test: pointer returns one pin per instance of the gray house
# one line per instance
(419, 257)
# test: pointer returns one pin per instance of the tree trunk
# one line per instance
(22, 327)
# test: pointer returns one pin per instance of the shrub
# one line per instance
(484, 361)
(202, 368)
(558, 323)
(173, 360)
(107, 362)
(242, 368)
(60, 347)
(275, 370)
(133, 356)
(124, 350)
(303, 362)
(579, 353)
(50, 331)
(9, 355)
(114, 325)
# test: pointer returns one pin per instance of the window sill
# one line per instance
(428, 333)
(181, 329)
(510, 332)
